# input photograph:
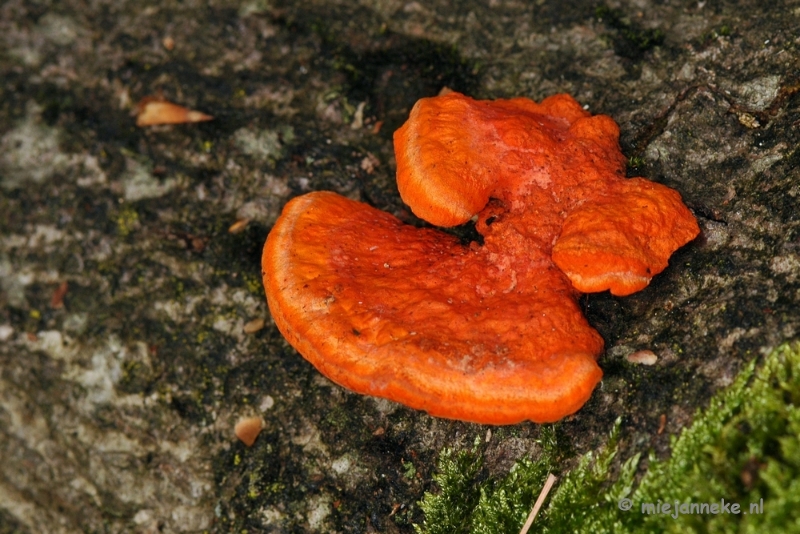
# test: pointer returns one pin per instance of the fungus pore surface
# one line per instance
(487, 333)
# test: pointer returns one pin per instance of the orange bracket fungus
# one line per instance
(490, 333)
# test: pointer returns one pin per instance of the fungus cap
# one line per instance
(393, 311)
(454, 152)
(551, 158)
(487, 333)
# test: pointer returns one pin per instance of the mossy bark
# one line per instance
(118, 398)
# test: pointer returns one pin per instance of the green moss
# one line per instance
(450, 511)
(409, 471)
(253, 284)
(254, 481)
(636, 162)
(127, 220)
(744, 448)
(465, 505)
(338, 418)
(720, 31)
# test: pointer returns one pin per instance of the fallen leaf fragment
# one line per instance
(251, 327)
(248, 429)
(152, 111)
(238, 226)
(748, 121)
(57, 301)
(662, 423)
(358, 117)
(643, 357)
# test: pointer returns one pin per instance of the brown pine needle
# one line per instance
(551, 479)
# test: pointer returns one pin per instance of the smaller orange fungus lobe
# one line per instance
(152, 111)
(487, 333)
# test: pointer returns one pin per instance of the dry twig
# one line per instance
(551, 479)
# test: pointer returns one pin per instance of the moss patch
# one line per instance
(742, 449)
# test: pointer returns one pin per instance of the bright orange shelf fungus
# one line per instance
(488, 333)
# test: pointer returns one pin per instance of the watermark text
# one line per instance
(677, 508)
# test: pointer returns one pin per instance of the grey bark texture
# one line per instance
(124, 358)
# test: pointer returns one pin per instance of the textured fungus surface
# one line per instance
(488, 333)
(412, 315)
